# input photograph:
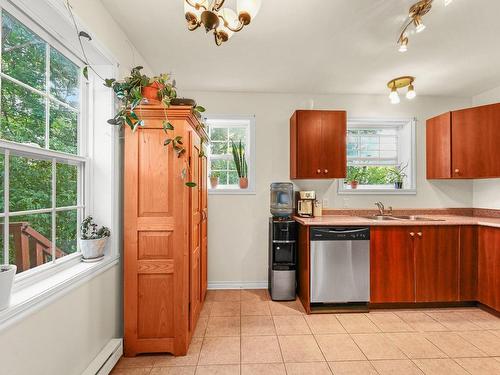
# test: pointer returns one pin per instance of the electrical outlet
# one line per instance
(325, 203)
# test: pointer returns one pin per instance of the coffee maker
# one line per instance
(305, 203)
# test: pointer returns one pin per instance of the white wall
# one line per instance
(238, 223)
(486, 191)
(66, 335)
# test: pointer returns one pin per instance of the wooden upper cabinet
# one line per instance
(436, 264)
(318, 144)
(463, 144)
(392, 268)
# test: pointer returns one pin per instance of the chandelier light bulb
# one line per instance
(394, 96)
(249, 7)
(411, 94)
(403, 45)
(419, 25)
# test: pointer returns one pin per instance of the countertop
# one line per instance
(344, 220)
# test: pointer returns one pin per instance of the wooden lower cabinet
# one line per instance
(414, 264)
(489, 267)
(392, 267)
(163, 261)
(468, 260)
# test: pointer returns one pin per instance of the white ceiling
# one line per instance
(322, 46)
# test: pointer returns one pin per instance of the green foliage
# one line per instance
(397, 174)
(214, 174)
(239, 158)
(369, 175)
(89, 230)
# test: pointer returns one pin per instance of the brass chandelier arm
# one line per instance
(217, 4)
(403, 32)
(193, 25)
(195, 5)
(218, 39)
(226, 24)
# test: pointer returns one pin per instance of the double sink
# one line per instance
(403, 217)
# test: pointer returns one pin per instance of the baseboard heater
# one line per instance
(106, 359)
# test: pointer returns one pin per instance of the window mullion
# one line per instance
(47, 94)
(6, 203)
(54, 187)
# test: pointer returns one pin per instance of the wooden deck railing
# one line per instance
(31, 248)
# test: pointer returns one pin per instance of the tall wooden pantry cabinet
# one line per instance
(165, 232)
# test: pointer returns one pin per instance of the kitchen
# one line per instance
(310, 190)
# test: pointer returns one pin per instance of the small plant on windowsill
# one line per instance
(214, 179)
(240, 161)
(353, 177)
(397, 176)
(93, 240)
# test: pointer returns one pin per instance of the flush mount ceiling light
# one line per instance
(399, 83)
(223, 21)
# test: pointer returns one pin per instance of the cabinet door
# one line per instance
(436, 264)
(392, 273)
(195, 224)
(308, 144)
(438, 146)
(468, 263)
(475, 139)
(489, 267)
(333, 148)
(204, 227)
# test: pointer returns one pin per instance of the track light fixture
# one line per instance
(415, 16)
(399, 83)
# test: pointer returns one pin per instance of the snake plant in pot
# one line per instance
(240, 161)
(92, 240)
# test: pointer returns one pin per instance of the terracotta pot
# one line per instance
(214, 181)
(243, 182)
(151, 92)
(354, 184)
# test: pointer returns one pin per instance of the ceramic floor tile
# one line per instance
(260, 349)
(439, 367)
(484, 340)
(324, 324)
(131, 371)
(190, 359)
(339, 347)
(357, 323)
(255, 308)
(453, 345)
(420, 321)
(220, 351)
(225, 309)
(286, 308)
(480, 366)
(224, 295)
(218, 370)
(482, 319)
(389, 322)
(397, 367)
(255, 295)
(291, 325)
(263, 369)
(454, 321)
(201, 327)
(223, 326)
(377, 346)
(496, 332)
(300, 348)
(257, 325)
(415, 345)
(353, 368)
(316, 368)
(205, 310)
(184, 370)
(139, 361)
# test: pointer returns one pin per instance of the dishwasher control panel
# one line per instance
(340, 233)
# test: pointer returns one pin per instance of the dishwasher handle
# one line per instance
(340, 234)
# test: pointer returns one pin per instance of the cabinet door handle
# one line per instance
(318, 171)
(457, 171)
(326, 171)
(419, 234)
(412, 234)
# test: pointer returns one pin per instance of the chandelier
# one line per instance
(223, 21)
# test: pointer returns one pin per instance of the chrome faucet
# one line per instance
(381, 208)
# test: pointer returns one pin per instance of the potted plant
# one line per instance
(397, 175)
(92, 240)
(7, 273)
(240, 162)
(353, 176)
(214, 179)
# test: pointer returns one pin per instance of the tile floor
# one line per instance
(244, 332)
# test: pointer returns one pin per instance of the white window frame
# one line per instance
(9, 148)
(247, 121)
(412, 176)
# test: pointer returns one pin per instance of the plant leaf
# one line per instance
(199, 108)
(167, 142)
(85, 72)
(191, 184)
(83, 34)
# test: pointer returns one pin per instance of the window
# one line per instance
(41, 162)
(223, 130)
(380, 157)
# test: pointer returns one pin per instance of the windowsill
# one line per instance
(29, 298)
(364, 191)
(231, 190)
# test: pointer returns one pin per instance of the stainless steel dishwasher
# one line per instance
(340, 265)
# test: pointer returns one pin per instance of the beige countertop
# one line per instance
(344, 220)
